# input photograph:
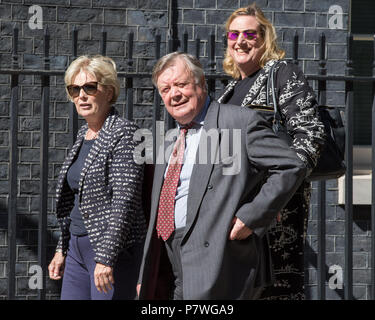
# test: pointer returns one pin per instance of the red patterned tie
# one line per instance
(165, 222)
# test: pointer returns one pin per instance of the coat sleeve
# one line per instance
(298, 105)
(126, 178)
(64, 237)
(283, 172)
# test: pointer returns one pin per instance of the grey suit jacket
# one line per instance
(268, 173)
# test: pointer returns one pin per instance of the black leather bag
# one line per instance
(331, 164)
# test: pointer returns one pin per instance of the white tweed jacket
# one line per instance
(110, 191)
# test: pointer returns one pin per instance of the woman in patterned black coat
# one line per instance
(99, 193)
(251, 52)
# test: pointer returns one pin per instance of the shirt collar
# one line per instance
(199, 119)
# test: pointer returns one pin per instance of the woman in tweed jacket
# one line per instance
(99, 191)
(251, 52)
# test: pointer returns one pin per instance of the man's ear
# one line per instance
(203, 84)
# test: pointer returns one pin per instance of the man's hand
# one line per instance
(56, 267)
(103, 277)
(239, 230)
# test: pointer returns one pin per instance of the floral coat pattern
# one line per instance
(297, 104)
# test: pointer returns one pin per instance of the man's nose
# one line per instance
(175, 91)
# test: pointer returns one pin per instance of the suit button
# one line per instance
(85, 215)
(210, 186)
(206, 244)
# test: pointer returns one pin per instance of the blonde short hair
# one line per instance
(267, 33)
(103, 68)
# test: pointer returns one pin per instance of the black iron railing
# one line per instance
(213, 79)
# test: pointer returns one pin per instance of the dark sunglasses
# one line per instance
(90, 88)
(247, 34)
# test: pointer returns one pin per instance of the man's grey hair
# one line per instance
(192, 65)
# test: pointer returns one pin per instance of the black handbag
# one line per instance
(331, 164)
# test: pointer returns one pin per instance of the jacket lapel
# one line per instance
(257, 92)
(104, 136)
(201, 172)
(68, 161)
(228, 89)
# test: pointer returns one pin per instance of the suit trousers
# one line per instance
(173, 246)
(78, 279)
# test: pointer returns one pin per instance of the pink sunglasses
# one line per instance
(247, 34)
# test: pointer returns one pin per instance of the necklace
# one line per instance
(91, 135)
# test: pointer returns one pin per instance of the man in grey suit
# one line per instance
(223, 202)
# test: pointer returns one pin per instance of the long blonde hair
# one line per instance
(267, 33)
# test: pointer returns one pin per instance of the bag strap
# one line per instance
(338, 130)
(271, 83)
